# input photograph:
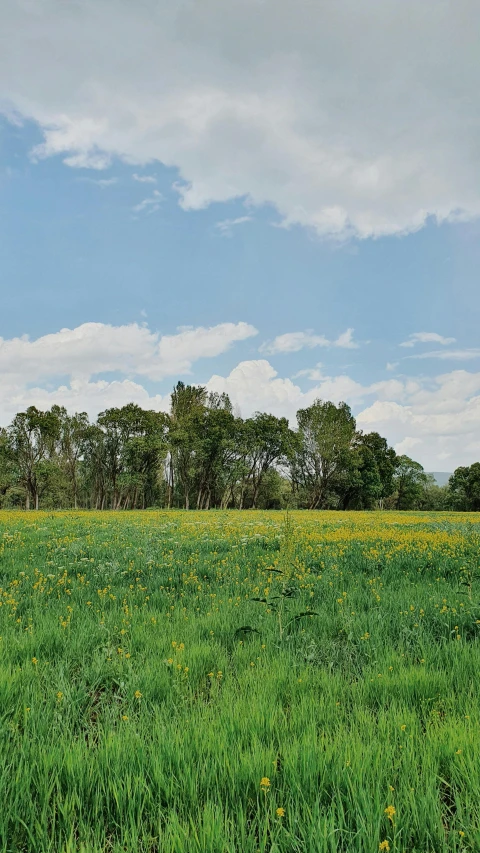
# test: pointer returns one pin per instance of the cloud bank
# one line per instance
(345, 116)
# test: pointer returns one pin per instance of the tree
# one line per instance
(71, 439)
(322, 461)
(31, 439)
(363, 485)
(214, 450)
(434, 497)
(385, 460)
(464, 487)
(265, 440)
(410, 481)
(8, 472)
(132, 446)
(186, 415)
(202, 454)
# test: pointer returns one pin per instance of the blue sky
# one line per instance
(220, 229)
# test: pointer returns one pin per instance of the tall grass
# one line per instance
(153, 673)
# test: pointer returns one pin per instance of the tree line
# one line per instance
(202, 455)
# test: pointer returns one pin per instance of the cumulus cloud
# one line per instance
(437, 421)
(345, 340)
(296, 341)
(344, 116)
(255, 385)
(427, 338)
(80, 395)
(95, 348)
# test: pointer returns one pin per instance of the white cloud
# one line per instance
(296, 341)
(225, 225)
(455, 354)
(345, 340)
(255, 385)
(97, 348)
(439, 419)
(406, 446)
(144, 179)
(101, 182)
(315, 374)
(427, 338)
(344, 116)
(150, 204)
(436, 421)
(106, 182)
(82, 396)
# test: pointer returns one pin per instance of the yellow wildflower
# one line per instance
(390, 811)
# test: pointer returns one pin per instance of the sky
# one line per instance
(274, 198)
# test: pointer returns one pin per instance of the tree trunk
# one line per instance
(170, 486)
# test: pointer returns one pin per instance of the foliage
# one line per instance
(409, 481)
(464, 487)
(201, 455)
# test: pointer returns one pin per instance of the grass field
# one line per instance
(149, 703)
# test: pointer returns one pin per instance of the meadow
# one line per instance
(239, 682)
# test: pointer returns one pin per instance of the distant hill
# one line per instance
(441, 477)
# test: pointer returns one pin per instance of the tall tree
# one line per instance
(464, 486)
(72, 433)
(320, 465)
(186, 415)
(133, 443)
(385, 460)
(214, 446)
(410, 481)
(32, 436)
(266, 440)
(362, 486)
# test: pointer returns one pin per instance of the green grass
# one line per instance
(112, 738)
